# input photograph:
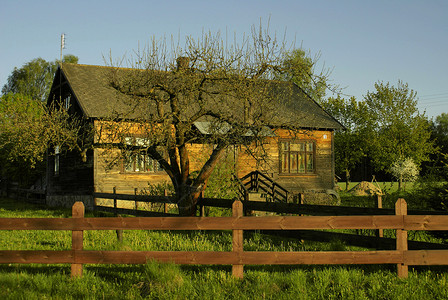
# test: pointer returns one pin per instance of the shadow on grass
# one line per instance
(123, 273)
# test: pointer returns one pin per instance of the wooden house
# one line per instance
(302, 162)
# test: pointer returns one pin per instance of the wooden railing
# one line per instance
(256, 181)
(278, 207)
(401, 222)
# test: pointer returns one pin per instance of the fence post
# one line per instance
(135, 199)
(165, 205)
(379, 204)
(246, 211)
(401, 209)
(115, 198)
(119, 231)
(237, 239)
(201, 206)
(77, 239)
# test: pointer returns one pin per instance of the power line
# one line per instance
(433, 105)
(430, 95)
(432, 102)
(434, 98)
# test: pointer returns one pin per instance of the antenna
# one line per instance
(62, 44)
(60, 74)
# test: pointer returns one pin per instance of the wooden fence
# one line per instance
(277, 207)
(401, 222)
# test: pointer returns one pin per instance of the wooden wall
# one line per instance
(75, 176)
(108, 176)
(321, 180)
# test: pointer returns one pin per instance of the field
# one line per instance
(169, 281)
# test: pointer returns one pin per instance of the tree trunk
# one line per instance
(187, 199)
(189, 193)
(347, 179)
(400, 182)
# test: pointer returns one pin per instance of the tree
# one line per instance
(34, 78)
(349, 144)
(437, 166)
(299, 68)
(224, 88)
(439, 129)
(396, 127)
(27, 129)
(404, 170)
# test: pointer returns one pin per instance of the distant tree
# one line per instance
(396, 127)
(34, 78)
(439, 129)
(438, 165)
(350, 144)
(300, 68)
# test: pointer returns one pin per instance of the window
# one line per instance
(56, 160)
(67, 102)
(140, 161)
(296, 157)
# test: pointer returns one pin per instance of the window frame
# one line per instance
(289, 153)
(139, 158)
(57, 162)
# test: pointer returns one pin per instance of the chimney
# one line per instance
(183, 63)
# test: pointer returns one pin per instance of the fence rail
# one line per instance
(278, 207)
(237, 223)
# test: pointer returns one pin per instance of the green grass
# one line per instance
(169, 281)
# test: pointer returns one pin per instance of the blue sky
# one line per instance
(362, 41)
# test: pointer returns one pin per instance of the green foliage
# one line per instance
(21, 123)
(396, 127)
(431, 194)
(34, 78)
(350, 144)
(299, 68)
(439, 134)
(158, 189)
(221, 183)
(28, 129)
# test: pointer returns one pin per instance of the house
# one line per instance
(301, 161)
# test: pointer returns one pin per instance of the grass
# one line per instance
(169, 281)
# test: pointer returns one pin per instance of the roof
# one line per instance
(92, 86)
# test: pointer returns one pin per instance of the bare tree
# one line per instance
(208, 92)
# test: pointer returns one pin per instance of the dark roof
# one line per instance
(93, 89)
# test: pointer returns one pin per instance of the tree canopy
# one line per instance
(34, 78)
(350, 144)
(28, 128)
(398, 131)
(299, 67)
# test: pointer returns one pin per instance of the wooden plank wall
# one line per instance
(107, 176)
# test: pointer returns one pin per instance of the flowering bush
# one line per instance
(405, 170)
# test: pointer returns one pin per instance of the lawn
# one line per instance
(169, 281)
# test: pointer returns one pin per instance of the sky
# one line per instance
(362, 42)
